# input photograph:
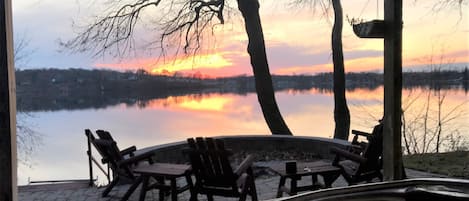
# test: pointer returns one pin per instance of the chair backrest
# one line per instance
(105, 135)
(100, 150)
(110, 154)
(210, 164)
(374, 149)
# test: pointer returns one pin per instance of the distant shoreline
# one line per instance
(56, 89)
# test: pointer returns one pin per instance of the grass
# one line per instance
(453, 164)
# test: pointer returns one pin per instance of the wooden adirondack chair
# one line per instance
(214, 174)
(363, 161)
(120, 166)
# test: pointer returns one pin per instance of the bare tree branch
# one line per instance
(28, 139)
(183, 23)
(22, 49)
(184, 20)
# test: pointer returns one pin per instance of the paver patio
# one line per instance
(266, 189)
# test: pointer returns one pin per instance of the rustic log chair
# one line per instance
(120, 166)
(214, 174)
(363, 161)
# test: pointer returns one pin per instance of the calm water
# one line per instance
(58, 148)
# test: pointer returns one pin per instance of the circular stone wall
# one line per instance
(263, 147)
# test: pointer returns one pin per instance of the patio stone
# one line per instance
(266, 189)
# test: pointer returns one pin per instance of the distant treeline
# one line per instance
(436, 79)
(56, 89)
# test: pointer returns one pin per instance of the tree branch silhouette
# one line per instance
(184, 23)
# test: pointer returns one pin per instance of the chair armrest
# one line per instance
(129, 151)
(247, 163)
(356, 148)
(361, 133)
(137, 158)
(348, 155)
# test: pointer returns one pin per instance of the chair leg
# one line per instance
(161, 195)
(380, 176)
(329, 179)
(174, 193)
(243, 196)
(209, 197)
(314, 179)
(244, 191)
(132, 188)
(193, 196)
(252, 189)
(248, 187)
(191, 186)
(110, 186)
(280, 185)
(144, 189)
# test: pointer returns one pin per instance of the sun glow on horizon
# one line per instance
(179, 64)
(304, 47)
(206, 61)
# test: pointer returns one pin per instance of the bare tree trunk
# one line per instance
(341, 111)
(404, 133)
(425, 123)
(441, 99)
(256, 49)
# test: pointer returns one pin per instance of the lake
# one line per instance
(56, 150)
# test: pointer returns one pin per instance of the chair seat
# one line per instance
(225, 183)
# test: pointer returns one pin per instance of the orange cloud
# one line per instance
(311, 33)
(210, 61)
(183, 63)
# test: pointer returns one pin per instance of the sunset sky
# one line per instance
(297, 39)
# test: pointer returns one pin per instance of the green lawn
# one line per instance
(453, 164)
